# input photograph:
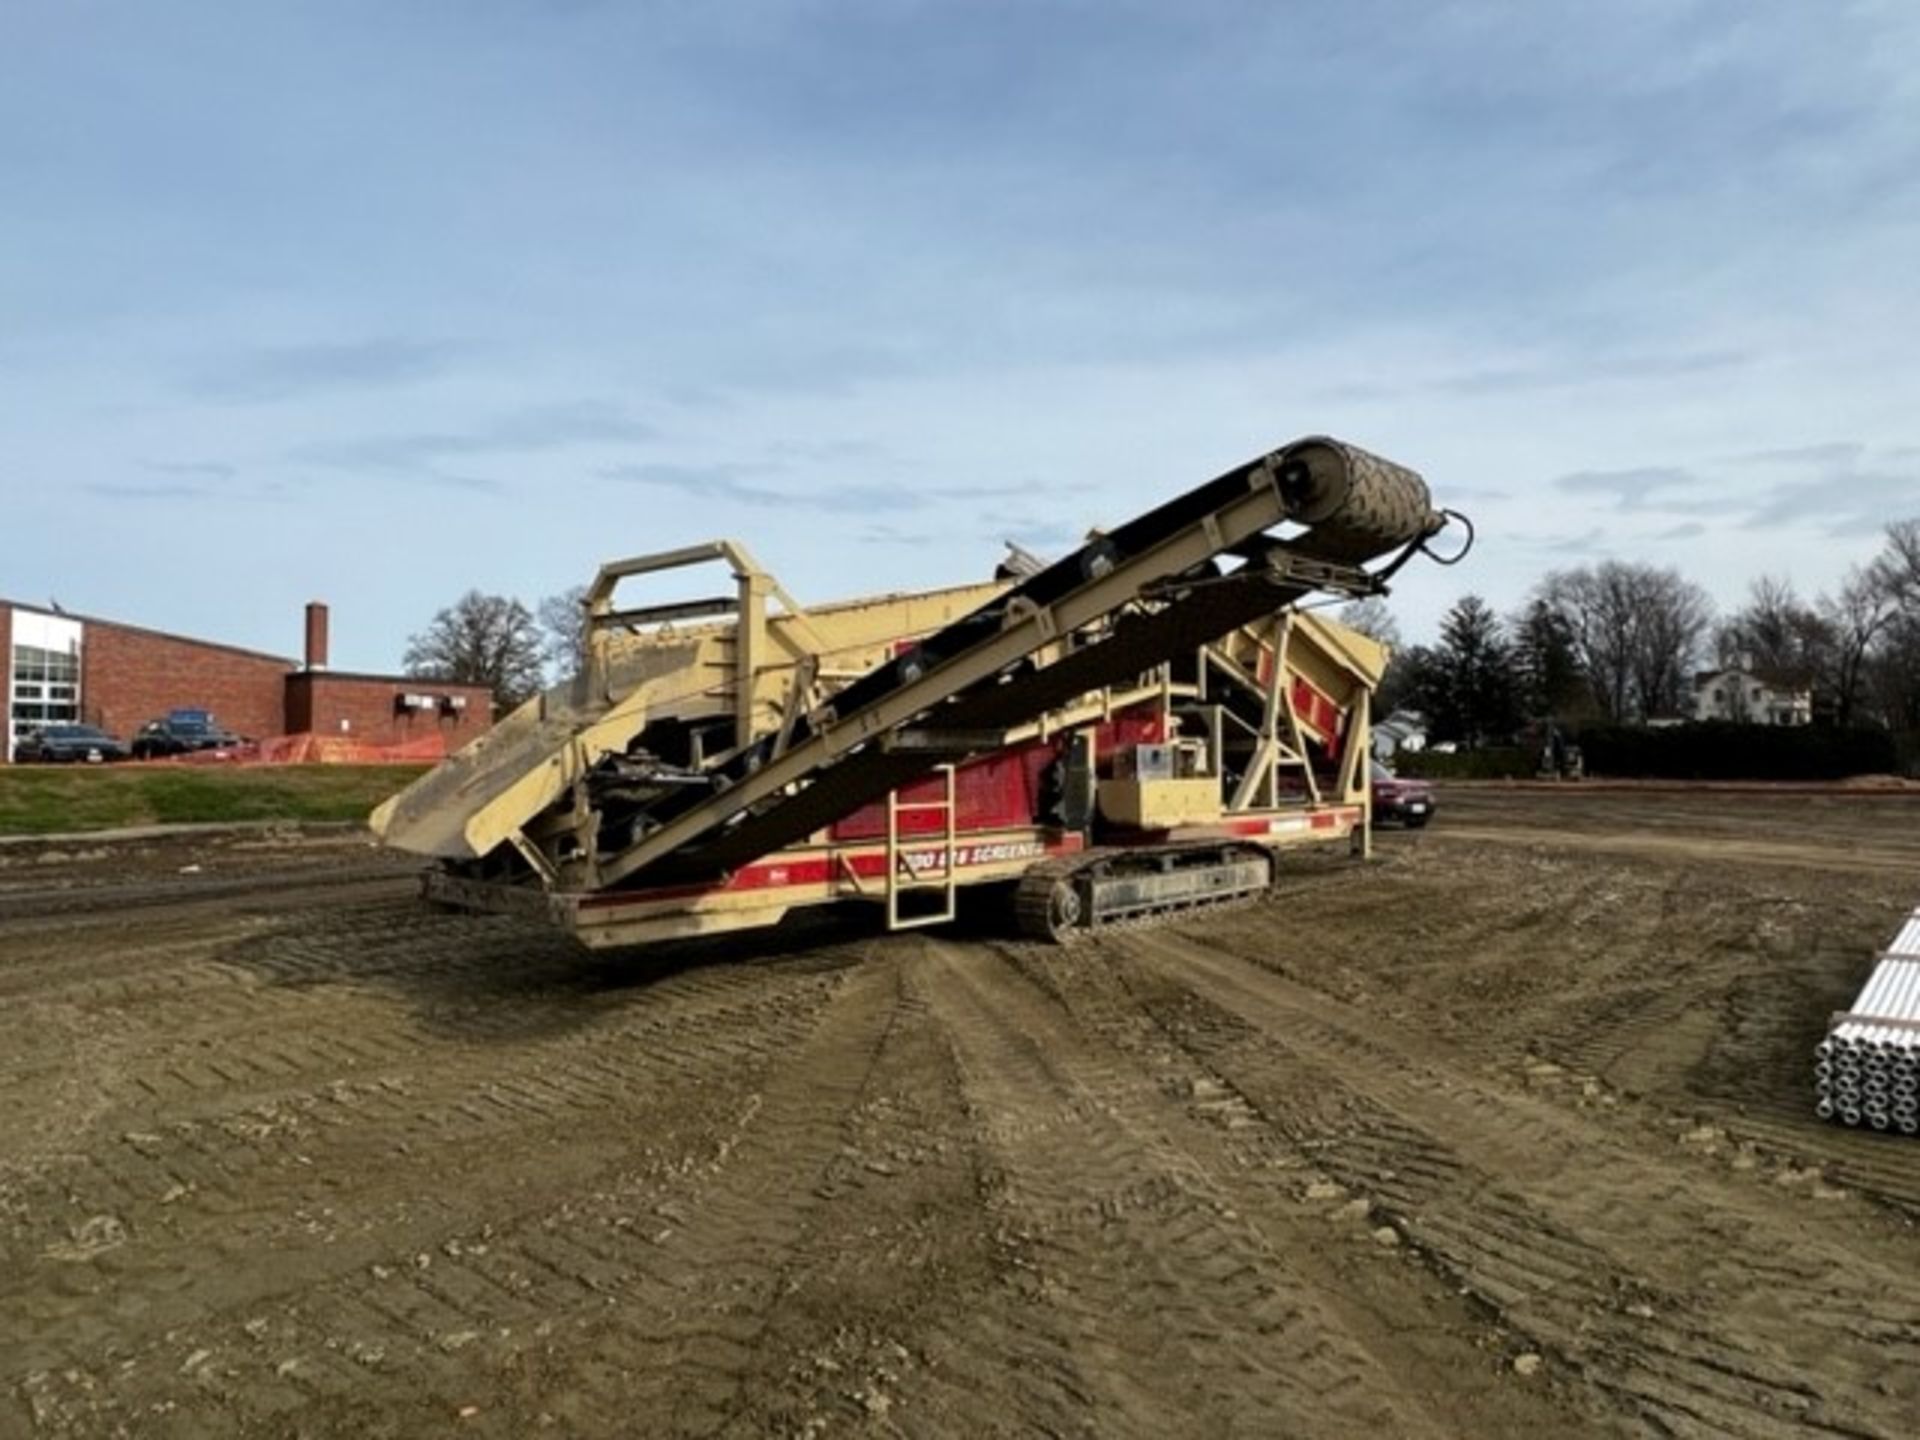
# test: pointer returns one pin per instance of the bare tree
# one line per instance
(1893, 676)
(1372, 617)
(1774, 630)
(1596, 607)
(1674, 618)
(1892, 669)
(1636, 630)
(1898, 568)
(563, 618)
(1856, 618)
(481, 639)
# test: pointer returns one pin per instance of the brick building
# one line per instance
(62, 667)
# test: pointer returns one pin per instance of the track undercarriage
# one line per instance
(1075, 896)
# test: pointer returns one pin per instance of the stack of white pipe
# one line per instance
(1867, 1070)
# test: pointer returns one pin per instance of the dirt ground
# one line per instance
(1506, 1133)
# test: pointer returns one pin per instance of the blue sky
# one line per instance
(373, 303)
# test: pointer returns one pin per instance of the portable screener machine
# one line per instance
(1135, 728)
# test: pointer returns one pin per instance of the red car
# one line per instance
(1408, 801)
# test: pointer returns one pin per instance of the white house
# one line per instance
(1403, 730)
(1755, 696)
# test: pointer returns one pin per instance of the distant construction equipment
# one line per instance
(1867, 1070)
(1130, 730)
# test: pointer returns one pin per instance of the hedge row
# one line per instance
(1708, 750)
(1724, 750)
(1500, 763)
(1908, 747)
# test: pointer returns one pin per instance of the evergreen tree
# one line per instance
(1548, 679)
(1476, 699)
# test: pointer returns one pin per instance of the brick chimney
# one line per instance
(316, 635)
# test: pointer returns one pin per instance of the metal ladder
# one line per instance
(936, 877)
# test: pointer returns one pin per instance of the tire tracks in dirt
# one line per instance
(317, 1161)
(697, 1041)
(1892, 860)
(239, 1076)
(1694, 996)
(27, 910)
(1570, 1234)
(1161, 1302)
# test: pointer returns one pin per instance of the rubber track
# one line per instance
(1032, 896)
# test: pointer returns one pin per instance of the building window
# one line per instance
(45, 685)
(35, 665)
(43, 674)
